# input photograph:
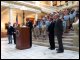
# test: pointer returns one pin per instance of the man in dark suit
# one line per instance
(59, 33)
(51, 34)
(30, 25)
(10, 32)
(14, 32)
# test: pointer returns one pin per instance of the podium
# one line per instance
(22, 38)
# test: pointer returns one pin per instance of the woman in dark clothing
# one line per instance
(14, 33)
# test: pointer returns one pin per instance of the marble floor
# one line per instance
(8, 51)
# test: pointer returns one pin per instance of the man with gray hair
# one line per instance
(59, 32)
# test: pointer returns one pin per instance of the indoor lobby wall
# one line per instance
(5, 19)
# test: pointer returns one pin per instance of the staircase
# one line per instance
(67, 41)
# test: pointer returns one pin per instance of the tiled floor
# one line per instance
(8, 51)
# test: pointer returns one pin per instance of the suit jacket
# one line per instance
(51, 28)
(58, 26)
(10, 30)
(14, 30)
(29, 24)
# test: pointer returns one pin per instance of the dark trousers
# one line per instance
(30, 38)
(59, 38)
(40, 31)
(14, 37)
(51, 41)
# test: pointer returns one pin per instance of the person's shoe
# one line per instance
(60, 51)
(51, 48)
(8, 43)
(57, 49)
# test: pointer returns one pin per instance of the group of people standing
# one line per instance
(55, 25)
(40, 29)
(52, 25)
(41, 25)
(11, 31)
(56, 29)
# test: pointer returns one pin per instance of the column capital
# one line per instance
(11, 6)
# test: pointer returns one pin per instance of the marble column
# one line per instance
(51, 3)
(11, 16)
(36, 17)
(76, 36)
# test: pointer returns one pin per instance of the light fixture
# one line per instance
(37, 3)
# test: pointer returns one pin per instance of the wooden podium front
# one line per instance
(22, 38)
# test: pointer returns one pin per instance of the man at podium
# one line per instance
(30, 25)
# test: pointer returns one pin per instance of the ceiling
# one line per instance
(20, 12)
